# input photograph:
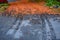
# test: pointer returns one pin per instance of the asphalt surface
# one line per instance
(31, 27)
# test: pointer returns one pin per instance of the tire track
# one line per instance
(15, 26)
(13, 29)
(52, 32)
(19, 33)
(43, 28)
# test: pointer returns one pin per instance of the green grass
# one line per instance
(3, 6)
(52, 2)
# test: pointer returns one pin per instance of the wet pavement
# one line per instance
(30, 27)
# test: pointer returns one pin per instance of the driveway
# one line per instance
(31, 27)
